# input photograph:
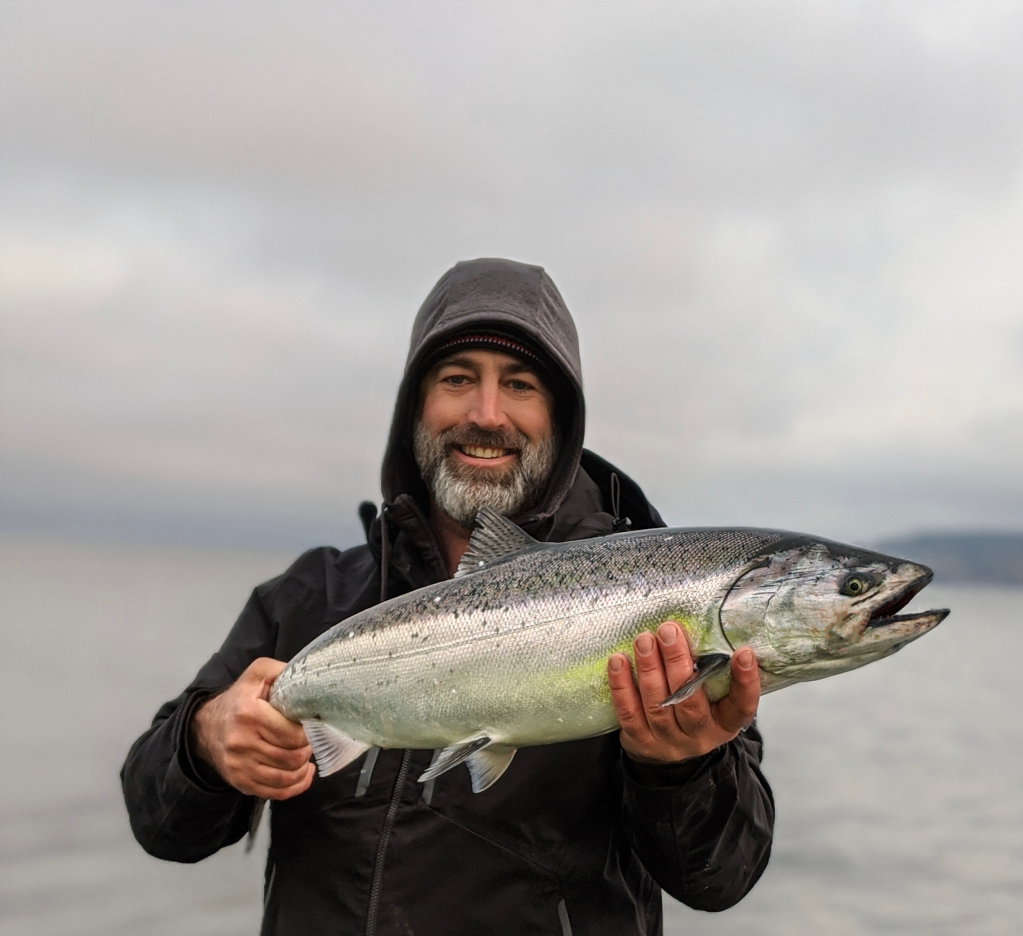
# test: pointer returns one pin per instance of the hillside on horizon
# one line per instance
(990, 558)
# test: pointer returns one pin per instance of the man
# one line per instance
(575, 838)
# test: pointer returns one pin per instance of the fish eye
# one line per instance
(856, 584)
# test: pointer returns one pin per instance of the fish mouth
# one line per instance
(887, 614)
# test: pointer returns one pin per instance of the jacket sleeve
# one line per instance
(179, 809)
(703, 828)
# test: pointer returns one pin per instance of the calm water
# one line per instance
(898, 786)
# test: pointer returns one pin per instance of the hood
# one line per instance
(509, 297)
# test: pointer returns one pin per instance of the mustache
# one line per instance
(471, 434)
(460, 490)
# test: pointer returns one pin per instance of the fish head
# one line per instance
(810, 609)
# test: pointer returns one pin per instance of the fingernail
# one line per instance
(746, 659)
(615, 663)
(668, 633)
(645, 643)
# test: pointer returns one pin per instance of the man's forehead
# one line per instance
(475, 358)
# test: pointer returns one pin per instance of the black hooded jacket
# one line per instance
(574, 839)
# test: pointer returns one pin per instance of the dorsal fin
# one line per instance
(495, 537)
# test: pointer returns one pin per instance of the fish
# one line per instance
(513, 650)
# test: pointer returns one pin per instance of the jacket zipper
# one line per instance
(385, 834)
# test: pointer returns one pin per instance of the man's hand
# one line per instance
(248, 742)
(655, 735)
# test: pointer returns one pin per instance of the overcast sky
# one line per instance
(791, 235)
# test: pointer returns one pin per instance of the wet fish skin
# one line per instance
(514, 649)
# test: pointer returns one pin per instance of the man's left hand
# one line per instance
(654, 735)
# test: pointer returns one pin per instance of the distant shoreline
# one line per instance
(988, 558)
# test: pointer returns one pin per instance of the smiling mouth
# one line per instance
(476, 451)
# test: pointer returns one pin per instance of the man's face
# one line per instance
(485, 434)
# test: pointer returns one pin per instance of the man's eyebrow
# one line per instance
(520, 367)
(456, 361)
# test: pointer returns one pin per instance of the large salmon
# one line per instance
(513, 650)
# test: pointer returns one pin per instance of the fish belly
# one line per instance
(489, 672)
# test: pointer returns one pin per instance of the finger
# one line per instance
(277, 730)
(261, 670)
(275, 779)
(279, 758)
(653, 687)
(625, 698)
(282, 793)
(737, 709)
(244, 742)
(693, 715)
(678, 661)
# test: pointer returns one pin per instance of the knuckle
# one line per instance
(648, 664)
(677, 651)
(680, 662)
(654, 712)
(691, 710)
(619, 681)
(699, 724)
(628, 719)
(297, 759)
(272, 777)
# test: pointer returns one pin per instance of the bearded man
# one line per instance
(575, 838)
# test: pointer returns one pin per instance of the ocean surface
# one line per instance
(899, 787)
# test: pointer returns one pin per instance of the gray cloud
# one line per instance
(790, 235)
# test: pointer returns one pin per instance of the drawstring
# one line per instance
(385, 552)
(367, 514)
(620, 524)
(391, 816)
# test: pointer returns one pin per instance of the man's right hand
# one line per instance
(248, 742)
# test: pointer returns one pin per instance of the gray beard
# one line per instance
(461, 490)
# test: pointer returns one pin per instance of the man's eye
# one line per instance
(519, 385)
(456, 379)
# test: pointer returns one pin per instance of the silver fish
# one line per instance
(513, 651)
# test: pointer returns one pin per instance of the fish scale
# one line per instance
(514, 649)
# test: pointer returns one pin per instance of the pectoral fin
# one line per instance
(703, 667)
(487, 765)
(452, 756)
(333, 749)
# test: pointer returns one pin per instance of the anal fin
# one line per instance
(452, 756)
(487, 765)
(332, 748)
(703, 667)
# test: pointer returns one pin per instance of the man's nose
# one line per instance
(488, 412)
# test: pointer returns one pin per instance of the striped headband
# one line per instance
(494, 342)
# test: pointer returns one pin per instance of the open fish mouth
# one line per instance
(887, 614)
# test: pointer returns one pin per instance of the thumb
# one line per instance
(261, 673)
